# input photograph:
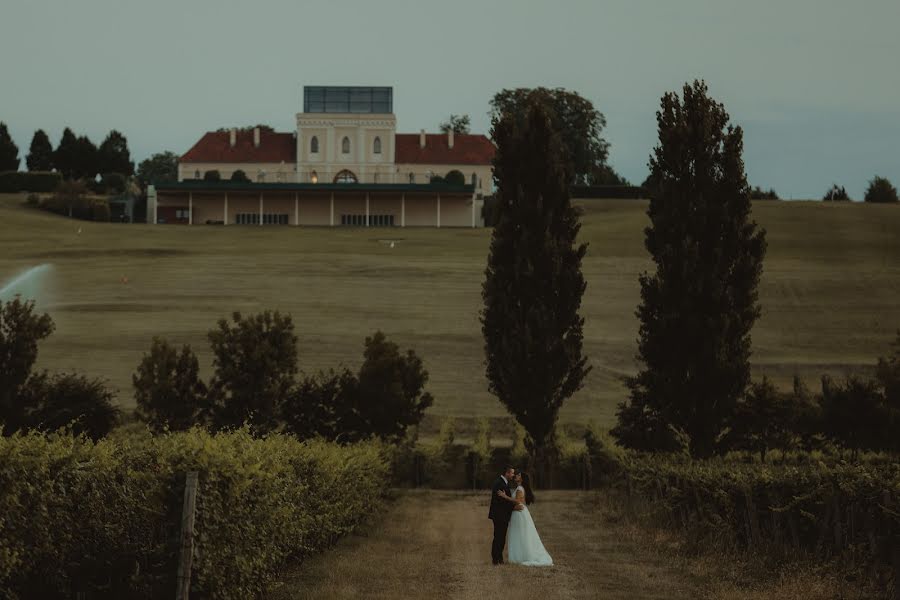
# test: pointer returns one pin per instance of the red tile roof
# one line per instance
(468, 149)
(273, 147)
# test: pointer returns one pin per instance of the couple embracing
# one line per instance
(509, 512)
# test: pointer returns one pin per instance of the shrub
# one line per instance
(167, 388)
(880, 190)
(103, 519)
(324, 405)
(212, 175)
(836, 194)
(12, 182)
(72, 401)
(853, 414)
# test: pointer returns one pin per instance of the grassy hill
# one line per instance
(830, 293)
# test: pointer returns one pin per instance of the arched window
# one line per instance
(377, 146)
(345, 176)
(314, 145)
(345, 145)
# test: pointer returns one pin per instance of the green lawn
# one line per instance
(830, 293)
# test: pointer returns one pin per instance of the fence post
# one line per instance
(187, 537)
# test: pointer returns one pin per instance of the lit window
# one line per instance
(345, 176)
(377, 145)
(314, 177)
(345, 145)
(314, 145)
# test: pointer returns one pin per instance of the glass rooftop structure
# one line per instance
(348, 99)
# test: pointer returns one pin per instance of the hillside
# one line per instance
(829, 292)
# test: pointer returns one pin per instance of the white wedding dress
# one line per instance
(525, 546)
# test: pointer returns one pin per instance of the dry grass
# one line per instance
(829, 293)
(437, 545)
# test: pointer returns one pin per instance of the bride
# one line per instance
(525, 547)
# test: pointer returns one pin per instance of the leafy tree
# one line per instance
(836, 194)
(255, 362)
(325, 405)
(167, 387)
(162, 167)
(40, 154)
(757, 193)
(577, 122)
(604, 174)
(698, 308)
(86, 159)
(880, 190)
(65, 155)
(71, 400)
(533, 281)
(765, 419)
(69, 200)
(456, 124)
(212, 175)
(113, 155)
(455, 177)
(239, 176)
(9, 152)
(20, 331)
(853, 414)
(391, 389)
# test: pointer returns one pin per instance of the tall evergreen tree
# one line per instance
(86, 158)
(113, 155)
(533, 282)
(65, 155)
(40, 154)
(9, 152)
(698, 308)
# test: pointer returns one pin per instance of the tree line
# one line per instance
(255, 383)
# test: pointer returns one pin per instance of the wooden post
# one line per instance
(187, 537)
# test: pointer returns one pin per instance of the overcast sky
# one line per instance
(814, 83)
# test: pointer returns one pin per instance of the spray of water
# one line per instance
(30, 284)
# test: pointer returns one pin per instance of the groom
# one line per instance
(500, 513)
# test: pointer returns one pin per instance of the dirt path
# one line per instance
(437, 545)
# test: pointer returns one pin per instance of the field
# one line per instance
(830, 293)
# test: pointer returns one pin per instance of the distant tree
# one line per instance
(255, 363)
(880, 190)
(575, 119)
(836, 194)
(392, 394)
(212, 175)
(326, 405)
(853, 414)
(262, 127)
(9, 152)
(757, 193)
(766, 419)
(113, 155)
(455, 177)
(20, 332)
(40, 154)
(159, 168)
(533, 284)
(456, 124)
(167, 388)
(65, 155)
(71, 400)
(604, 174)
(238, 176)
(698, 308)
(87, 164)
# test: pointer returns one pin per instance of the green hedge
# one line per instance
(103, 519)
(843, 510)
(12, 182)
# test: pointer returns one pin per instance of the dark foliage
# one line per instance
(69, 400)
(113, 155)
(167, 388)
(212, 175)
(239, 176)
(255, 363)
(456, 123)
(836, 194)
(757, 193)
(65, 155)
(533, 286)
(698, 308)
(40, 154)
(881, 190)
(853, 413)
(114, 183)
(159, 168)
(20, 332)
(578, 124)
(604, 174)
(17, 181)
(9, 152)
(325, 405)
(455, 177)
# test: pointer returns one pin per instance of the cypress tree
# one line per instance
(40, 154)
(113, 155)
(65, 155)
(9, 152)
(698, 308)
(533, 282)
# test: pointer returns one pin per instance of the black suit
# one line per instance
(500, 513)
